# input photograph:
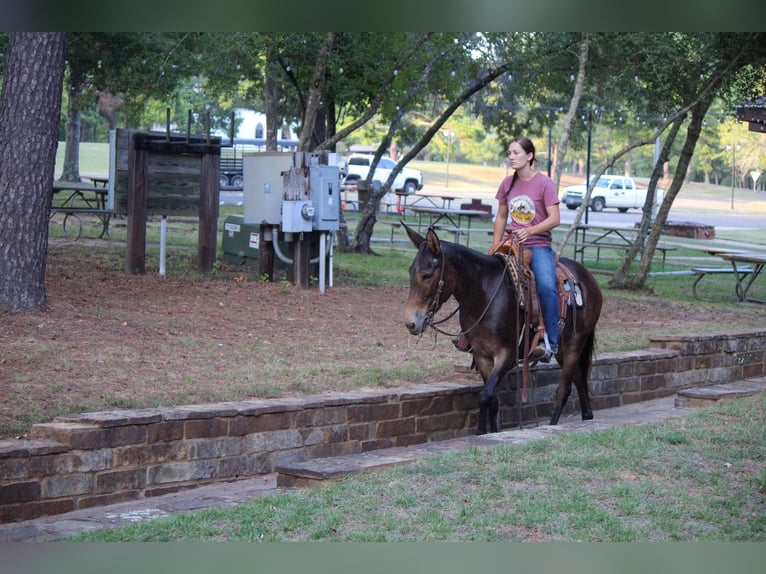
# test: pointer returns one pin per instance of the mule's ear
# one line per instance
(433, 241)
(415, 237)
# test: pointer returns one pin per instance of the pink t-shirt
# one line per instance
(527, 203)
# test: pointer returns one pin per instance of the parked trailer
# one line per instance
(231, 174)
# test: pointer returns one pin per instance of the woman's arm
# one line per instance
(553, 220)
(501, 220)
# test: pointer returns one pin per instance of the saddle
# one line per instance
(518, 260)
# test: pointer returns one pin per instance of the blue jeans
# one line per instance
(544, 268)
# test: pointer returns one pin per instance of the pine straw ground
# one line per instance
(111, 340)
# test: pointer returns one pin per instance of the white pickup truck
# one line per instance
(610, 191)
(358, 166)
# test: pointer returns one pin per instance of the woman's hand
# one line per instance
(522, 234)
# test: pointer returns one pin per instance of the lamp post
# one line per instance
(450, 134)
(734, 148)
(587, 164)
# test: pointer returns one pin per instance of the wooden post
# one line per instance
(135, 260)
(208, 211)
(301, 258)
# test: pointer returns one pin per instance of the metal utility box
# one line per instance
(297, 216)
(263, 189)
(241, 242)
(324, 182)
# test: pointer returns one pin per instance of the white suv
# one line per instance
(358, 166)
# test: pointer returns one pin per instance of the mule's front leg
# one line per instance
(489, 409)
(488, 405)
(494, 414)
(482, 428)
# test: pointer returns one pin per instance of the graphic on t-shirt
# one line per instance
(522, 209)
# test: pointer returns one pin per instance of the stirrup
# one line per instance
(549, 354)
(538, 353)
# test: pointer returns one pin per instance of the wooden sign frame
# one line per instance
(157, 173)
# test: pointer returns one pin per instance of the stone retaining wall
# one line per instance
(94, 459)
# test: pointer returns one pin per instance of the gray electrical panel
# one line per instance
(263, 189)
(315, 208)
(324, 182)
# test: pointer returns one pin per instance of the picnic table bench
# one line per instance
(457, 232)
(81, 198)
(580, 246)
(701, 272)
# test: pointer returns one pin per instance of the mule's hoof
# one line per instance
(587, 417)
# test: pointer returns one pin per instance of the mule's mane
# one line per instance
(467, 257)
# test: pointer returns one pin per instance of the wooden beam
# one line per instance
(135, 257)
(208, 211)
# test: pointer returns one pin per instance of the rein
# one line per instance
(521, 329)
(434, 302)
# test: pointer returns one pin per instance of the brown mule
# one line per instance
(489, 317)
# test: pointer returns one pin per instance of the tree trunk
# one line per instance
(621, 277)
(71, 170)
(692, 136)
(561, 149)
(315, 93)
(30, 105)
(272, 101)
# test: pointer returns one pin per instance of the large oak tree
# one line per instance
(30, 104)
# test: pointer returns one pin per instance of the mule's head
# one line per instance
(427, 291)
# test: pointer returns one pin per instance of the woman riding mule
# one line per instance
(530, 198)
(491, 319)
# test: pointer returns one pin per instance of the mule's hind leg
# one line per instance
(562, 396)
(573, 371)
(582, 392)
(580, 376)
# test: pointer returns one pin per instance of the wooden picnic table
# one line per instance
(419, 198)
(608, 237)
(75, 198)
(740, 260)
(452, 218)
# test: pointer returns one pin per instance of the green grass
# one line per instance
(94, 159)
(698, 478)
(389, 265)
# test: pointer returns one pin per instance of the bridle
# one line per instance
(433, 305)
(520, 328)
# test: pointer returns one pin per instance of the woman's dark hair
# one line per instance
(527, 145)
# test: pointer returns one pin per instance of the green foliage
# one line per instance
(629, 93)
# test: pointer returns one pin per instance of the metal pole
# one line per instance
(450, 134)
(733, 170)
(550, 151)
(322, 262)
(587, 163)
(163, 243)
